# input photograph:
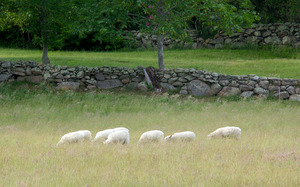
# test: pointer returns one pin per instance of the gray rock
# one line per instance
(183, 92)
(167, 86)
(36, 71)
(228, 41)
(59, 76)
(247, 94)
(91, 87)
(5, 77)
(164, 80)
(194, 46)
(255, 78)
(132, 86)
(219, 40)
(246, 87)
(18, 73)
(21, 78)
(297, 45)
(267, 33)
(6, 64)
(283, 28)
(179, 70)
(238, 44)
(167, 76)
(34, 79)
(287, 40)
(177, 83)
(274, 88)
(100, 77)
(125, 81)
(224, 82)
(215, 88)
(295, 98)
(47, 76)
(282, 95)
(109, 84)
(297, 90)
(189, 78)
(142, 86)
(233, 84)
(219, 46)
(80, 74)
(68, 86)
(272, 40)
(92, 82)
(264, 84)
(252, 39)
(249, 31)
(229, 91)
(261, 91)
(28, 71)
(181, 79)
(291, 90)
(199, 88)
(71, 69)
(257, 33)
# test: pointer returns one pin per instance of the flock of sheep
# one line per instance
(120, 135)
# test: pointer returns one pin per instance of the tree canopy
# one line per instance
(104, 23)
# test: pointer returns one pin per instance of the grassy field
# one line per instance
(33, 119)
(277, 62)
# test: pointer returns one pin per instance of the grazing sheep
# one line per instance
(74, 137)
(118, 137)
(181, 136)
(103, 135)
(151, 136)
(231, 132)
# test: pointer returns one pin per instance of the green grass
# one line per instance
(33, 119)
(283, 62)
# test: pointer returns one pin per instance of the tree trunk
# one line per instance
(45, 59)
(160, 52)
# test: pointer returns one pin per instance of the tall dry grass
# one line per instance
(33, 121)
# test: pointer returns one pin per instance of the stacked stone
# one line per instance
(263, 34)
(186, 81)
(143, 40)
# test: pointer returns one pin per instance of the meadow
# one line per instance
(34, 117)
(270, 62)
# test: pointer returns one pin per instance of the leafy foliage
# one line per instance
(274, 11)
(26, 16)
(101, 25)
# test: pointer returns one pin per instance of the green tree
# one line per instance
(170, 17)
(47, 20)
(164, 17)
(274, 11)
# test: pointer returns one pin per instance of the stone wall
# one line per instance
(262, 34)
(185, 81)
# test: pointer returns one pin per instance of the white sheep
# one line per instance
(74, 137)
(231, 132)
(181, 136)
(103, 135)
(118, 137)
(151, 136)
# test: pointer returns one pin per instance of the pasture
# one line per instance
(33, 119)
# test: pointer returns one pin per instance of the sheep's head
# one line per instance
(59, 143)
(210, 136)
(168, 138)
